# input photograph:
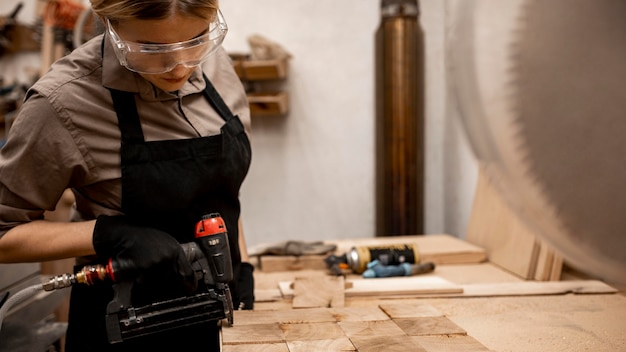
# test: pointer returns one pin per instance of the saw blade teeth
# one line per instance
(567, 113)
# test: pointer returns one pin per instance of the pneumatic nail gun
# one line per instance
(210, 257)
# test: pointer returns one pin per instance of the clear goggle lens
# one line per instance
(161, 58)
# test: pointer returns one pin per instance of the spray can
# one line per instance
(394, 254)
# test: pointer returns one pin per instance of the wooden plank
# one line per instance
(402, 286)
(549, 263)
(276, 263)
(392, 286)
(544, 263)
(557, 267)
(509, 242)
(528, 288)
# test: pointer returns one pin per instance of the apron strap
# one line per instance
(216, 100)
(127, 116)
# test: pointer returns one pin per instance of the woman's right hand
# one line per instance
(140, 252)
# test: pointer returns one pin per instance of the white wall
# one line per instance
(312, 176)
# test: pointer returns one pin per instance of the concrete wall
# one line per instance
(312, 176)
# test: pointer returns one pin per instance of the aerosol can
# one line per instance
(392, 254)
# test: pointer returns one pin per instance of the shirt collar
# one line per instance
(118, 77)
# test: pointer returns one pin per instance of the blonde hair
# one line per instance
(116, 10)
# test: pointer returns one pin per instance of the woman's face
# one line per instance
(174, 29)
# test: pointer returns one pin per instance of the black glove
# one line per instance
(142, 253)
(244, 297)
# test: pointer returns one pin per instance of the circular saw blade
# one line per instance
(570, 110)
(541, 87)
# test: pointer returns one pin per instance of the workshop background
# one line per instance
(312, 175)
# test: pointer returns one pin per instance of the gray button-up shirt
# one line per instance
(66, 134)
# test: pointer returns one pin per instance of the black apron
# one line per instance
(169, 185)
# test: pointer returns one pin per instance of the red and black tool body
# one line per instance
(210, 257)
(212, 238)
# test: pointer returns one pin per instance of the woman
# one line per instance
(147, 125)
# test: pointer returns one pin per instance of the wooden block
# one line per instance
(450, 343)
(410, 310)
(318, 292)
(252, 334)
(342, 344)
(304, 315)
(429, 326)
(359, 314)
(386, 343)
(371, 328)
(312, 331)
(254, 317)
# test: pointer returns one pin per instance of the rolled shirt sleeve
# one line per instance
(37, 164)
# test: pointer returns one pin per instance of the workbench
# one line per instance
(480, 307)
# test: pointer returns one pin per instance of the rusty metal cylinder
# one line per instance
(399, 120)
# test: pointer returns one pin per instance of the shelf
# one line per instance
(260, 70)
(268, 104)
(262, 79)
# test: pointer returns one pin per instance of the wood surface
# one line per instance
(498, 310)
(342, 329)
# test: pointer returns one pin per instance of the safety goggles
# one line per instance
(161, 58)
